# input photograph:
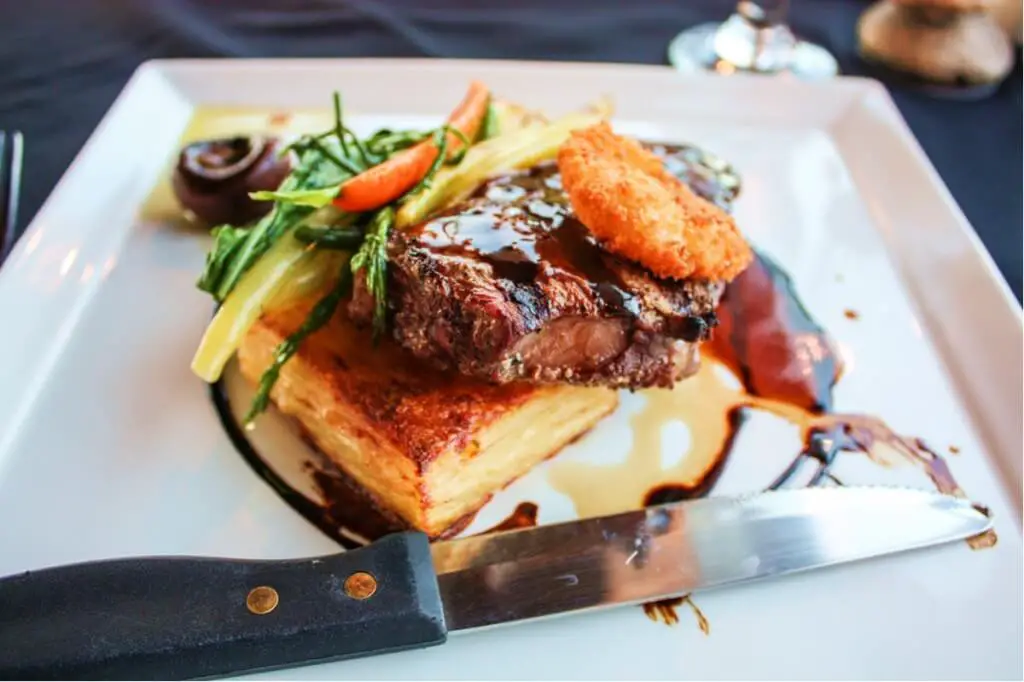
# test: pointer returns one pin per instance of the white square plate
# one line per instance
(109, 446)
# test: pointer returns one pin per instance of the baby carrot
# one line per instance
(385, 182)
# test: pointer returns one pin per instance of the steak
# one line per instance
(510, 286)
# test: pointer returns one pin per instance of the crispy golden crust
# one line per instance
(627, 199)
(428, 448)
(409, 404)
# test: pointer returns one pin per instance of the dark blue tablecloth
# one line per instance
(62, 62)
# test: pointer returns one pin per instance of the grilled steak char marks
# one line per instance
(510, 286)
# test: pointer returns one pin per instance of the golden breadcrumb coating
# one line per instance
(638, 210)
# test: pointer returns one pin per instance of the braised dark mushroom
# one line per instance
(213, 178)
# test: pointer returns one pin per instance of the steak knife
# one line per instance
(183, 617)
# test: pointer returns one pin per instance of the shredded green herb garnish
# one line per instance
(233, 257)
(314, 198)
(372, 256)
(344, 238)
(367, 158)
(441, 140)
(339, 161)
(339, 127)
(227, 242)
(319, 316)
(386, 143)
(491, 125)
(346, 136)
(461, 153)
(323, 163)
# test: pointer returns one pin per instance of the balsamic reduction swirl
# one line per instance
(522, 225)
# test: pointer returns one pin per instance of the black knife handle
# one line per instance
(177, 618)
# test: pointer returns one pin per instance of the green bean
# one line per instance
(346, 238)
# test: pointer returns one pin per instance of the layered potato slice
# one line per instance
(427, 447)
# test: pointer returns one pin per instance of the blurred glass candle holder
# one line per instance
(756, 38)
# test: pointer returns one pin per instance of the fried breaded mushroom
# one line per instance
(638, 210)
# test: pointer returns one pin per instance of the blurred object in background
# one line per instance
(952, 48)
(755, 38)
(11, 159)
(1010, 15)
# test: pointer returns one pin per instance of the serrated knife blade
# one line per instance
(188, 617)
(683, 547)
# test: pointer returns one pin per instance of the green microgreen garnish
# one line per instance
(319, 316)
(341, 238)
(372, 256)
(323, 162)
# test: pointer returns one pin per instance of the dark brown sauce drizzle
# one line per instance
(785, 360)
(771, 343)
(315, 513)
(349, 516)
(706, 174)
(667, 611)
(349, 509)
(788, 365)
(675, 492)
(523, 516)
(521, 225)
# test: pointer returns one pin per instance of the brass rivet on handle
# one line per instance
(360, 585)
(262, 600)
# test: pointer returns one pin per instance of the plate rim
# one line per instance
(176, 79)
(151, 80)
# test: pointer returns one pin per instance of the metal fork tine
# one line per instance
(4, 191)
(11, 159)
(3, 169)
